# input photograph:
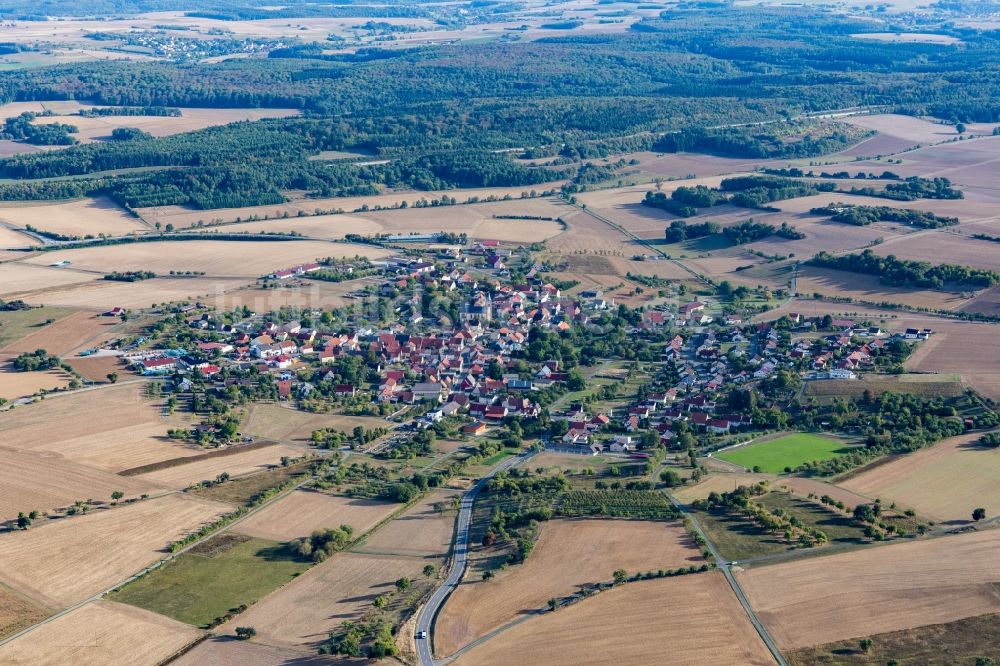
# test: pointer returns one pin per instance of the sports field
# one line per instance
(774, 455)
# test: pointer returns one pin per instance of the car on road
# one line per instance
(421, 634)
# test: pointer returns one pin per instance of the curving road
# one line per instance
(425, 621)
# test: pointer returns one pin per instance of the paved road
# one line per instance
(428, 613)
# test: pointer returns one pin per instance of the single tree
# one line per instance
(620, 576)
(865, 644)
(245, 633)
(429, 570)
(117, 495)
(23, 521)
(979, 514)
(113, 377)
(403, 584)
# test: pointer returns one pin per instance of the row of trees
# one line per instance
(907, 273)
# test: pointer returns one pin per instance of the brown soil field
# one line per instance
(103, 294)
(969, 164)
(320, 600)
(718, 483)
(968, 211)
(272, 421)
(692, 619)
(868, 288)
(256, 460)
(102, 633)
(182, 217)
(65, 561)
(65, 335)
(595, 548)
(987, 302)
(18, 612)
(421, 531)
(41, 481)
(97, 368)
(821, 234)
(229, 651)
(64, 426)
(944, 482)
(295, 294)
(100, 128)
(304, 511)
(19, 278)
(910, 129)
(244, 259)
(681, 165)
(939, 247)
(876, 590)
(14, 385)
(73, 218)
(15, 239)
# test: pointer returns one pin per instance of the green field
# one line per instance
(774, 455)
(16, 324)
(212, 579)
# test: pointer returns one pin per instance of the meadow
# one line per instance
(789, 451)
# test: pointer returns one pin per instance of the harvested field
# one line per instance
(62, 562)
(304, 511)
(255, 460)
(875, 590)
(803, 486)
(15, 239)
(66, 334)
(987, 302)
(293, 294)
(14, 385)
(320, 600)
(272, 421)
(718, 483)
(102, 633)
(422, 531)
(911, 130)
(821, 234)
(926, 385)
(940, 247)
(868, 288)
(17, 612)
(695, 616)
(227, 651)
(64, 426)
(104, 294)
(598, 548)
(36, 481)
(97, 368)
(944, 482)
(681, 165)
(80, 217)
(18, 279)
(970, 164)
(908, 37)
(182, 217)
(242, 259)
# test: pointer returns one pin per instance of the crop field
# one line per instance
(65, 426)
(182, 217)
(968, 348)
(206, 582)
(596, 547)
(717, 483)
(944, 482)
(821, 234)
(21, 324)
(942, 247)
(926, 385)
(803, 486)
(970, 164)
(104, 294)
(422, 531)
(694, 619)
(66, 334)
(62, 562)
(912, 131)
(79, 217)
(15, 239)
(101, 633)
(15, 384)
(303, 511)
(320, 600)
(272, 421)
(17, 612)
(254, 460)
(876, 590)
(775, 455)
(96, 368)
(18, 279)
(297, 294)
(987, 302)
(34, 481)
(830, 282)
(227, 650)
(242, 259)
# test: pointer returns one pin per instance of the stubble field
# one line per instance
(273, 421)
(692, 619)
(79, 217)
(421, 531)
(246, 462)
(66, 334)
(569, 553)
(303, 511)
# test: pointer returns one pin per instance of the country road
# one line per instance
(428, 613)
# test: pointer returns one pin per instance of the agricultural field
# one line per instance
(944, 482)
(101, 633)
(717, 483)
(789, 451)
(103, 295)
(63, 336)
(220, 574)
(598, 548)
(917, 384)
(14, 385)
(234, 259)
(840, 284)
(245, 462)
(81, 217)
(271, 421)
(64, 561)
(889, 588)
(941, 247)
(227, 650)
(303, 612)
(39, 482)
(304, 511)
(17, 612)
(96, 368)
(696, 617)
(242, 489)
(423, 530)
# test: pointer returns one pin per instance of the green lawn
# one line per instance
(210, 580)
(774, 455)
